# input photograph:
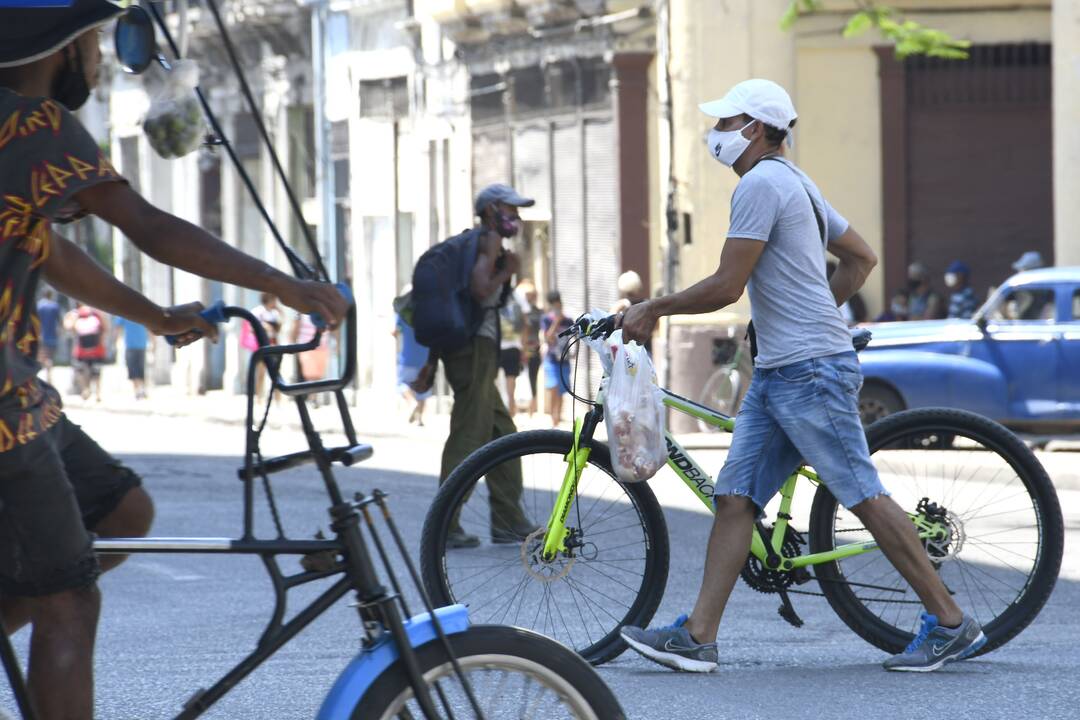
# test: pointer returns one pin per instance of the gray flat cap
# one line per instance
(501, 193)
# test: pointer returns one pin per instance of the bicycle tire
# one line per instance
(463, 480)
(895, 432)
(493, 648)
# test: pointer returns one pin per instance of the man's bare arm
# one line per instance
(485, 279)
(856, 261)
(178, 243)
(722, 288)
(74, 273)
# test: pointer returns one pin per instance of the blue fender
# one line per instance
(366, 667)
(928, 379)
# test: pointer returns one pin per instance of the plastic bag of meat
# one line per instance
(634, 413)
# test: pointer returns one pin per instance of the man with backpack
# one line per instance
(458, 288)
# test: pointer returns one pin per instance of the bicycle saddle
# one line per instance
(860, 338)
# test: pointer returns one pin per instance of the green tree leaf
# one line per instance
(859, 23)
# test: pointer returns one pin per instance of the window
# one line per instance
(386, 99)
(1076, 305)
(1035, 304)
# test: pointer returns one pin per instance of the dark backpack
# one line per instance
(445, 315)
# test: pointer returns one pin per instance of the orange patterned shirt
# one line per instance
(46, 157)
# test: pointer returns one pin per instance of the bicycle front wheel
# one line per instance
(612, 574)
(1006, 534)
(513, 673)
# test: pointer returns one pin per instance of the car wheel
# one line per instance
(877, 401)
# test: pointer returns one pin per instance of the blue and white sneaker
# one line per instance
(672, 647)
(936, 645)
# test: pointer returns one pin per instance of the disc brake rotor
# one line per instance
(532, 557)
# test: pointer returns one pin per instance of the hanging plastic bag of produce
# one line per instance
(634, 413)
(174, 123)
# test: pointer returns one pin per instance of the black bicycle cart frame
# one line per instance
(346, 553)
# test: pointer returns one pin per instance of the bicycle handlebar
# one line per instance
(216, 315)
(587, 326)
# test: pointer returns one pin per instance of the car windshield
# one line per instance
(1020, 305)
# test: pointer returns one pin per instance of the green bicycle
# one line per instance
(982, 503)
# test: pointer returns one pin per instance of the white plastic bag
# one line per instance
(634, 413)
(174, 123)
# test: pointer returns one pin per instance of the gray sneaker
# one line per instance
(672, 647)
(936, 645)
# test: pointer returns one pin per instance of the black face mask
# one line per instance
(506, 225)
(70, 87)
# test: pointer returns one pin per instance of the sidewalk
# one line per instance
(374, 415)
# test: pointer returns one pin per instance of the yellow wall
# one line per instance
(834, 84)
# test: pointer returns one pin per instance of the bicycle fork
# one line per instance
(576, 460)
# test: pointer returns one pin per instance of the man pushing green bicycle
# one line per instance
(802, 404)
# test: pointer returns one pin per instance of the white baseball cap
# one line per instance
(761, 99)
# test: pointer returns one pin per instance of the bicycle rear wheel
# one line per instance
(513, 673)
(613, 575)
(1006, 531)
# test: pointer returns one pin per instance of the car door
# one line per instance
(1020, 336)
(1069, 375)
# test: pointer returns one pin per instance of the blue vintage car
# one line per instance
(1017, 360)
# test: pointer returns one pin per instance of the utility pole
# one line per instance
(324, 167)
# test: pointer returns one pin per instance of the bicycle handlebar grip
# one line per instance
(346, 292)
(214, 314)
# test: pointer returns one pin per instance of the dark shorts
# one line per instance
(136, 364)
(91, 367)
(510, 361)
(52, 491)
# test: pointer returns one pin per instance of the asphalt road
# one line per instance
(171, 624)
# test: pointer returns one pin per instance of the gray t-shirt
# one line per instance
(794, 312)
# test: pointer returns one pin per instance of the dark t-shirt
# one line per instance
(555, 352)
(49, 314)
(47, 157)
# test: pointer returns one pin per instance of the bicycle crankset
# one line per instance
(767, 580)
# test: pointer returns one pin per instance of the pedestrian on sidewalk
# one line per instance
(412, 357)
(135, 342)
(803, 399)
(962, 302)
(479, 414)
(48, 311)
(269, 316)
(556, 361)
(531, 344)
(511, 328)
(924, 303)
(90, 330)
(631, 292)
(58, 488)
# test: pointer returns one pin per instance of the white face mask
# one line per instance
(728, 146)
(951, 280)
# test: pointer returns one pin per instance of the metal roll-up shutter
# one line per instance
(532, 167)
(491, 157)
(568, 216)
(602, 213)
(601, 226)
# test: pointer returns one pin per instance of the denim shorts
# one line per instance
(556, 375)
(53, 492)
(803, 413)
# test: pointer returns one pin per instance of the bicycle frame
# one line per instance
(768, 551)
(381, 610)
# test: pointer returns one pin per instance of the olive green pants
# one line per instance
(480, 416)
